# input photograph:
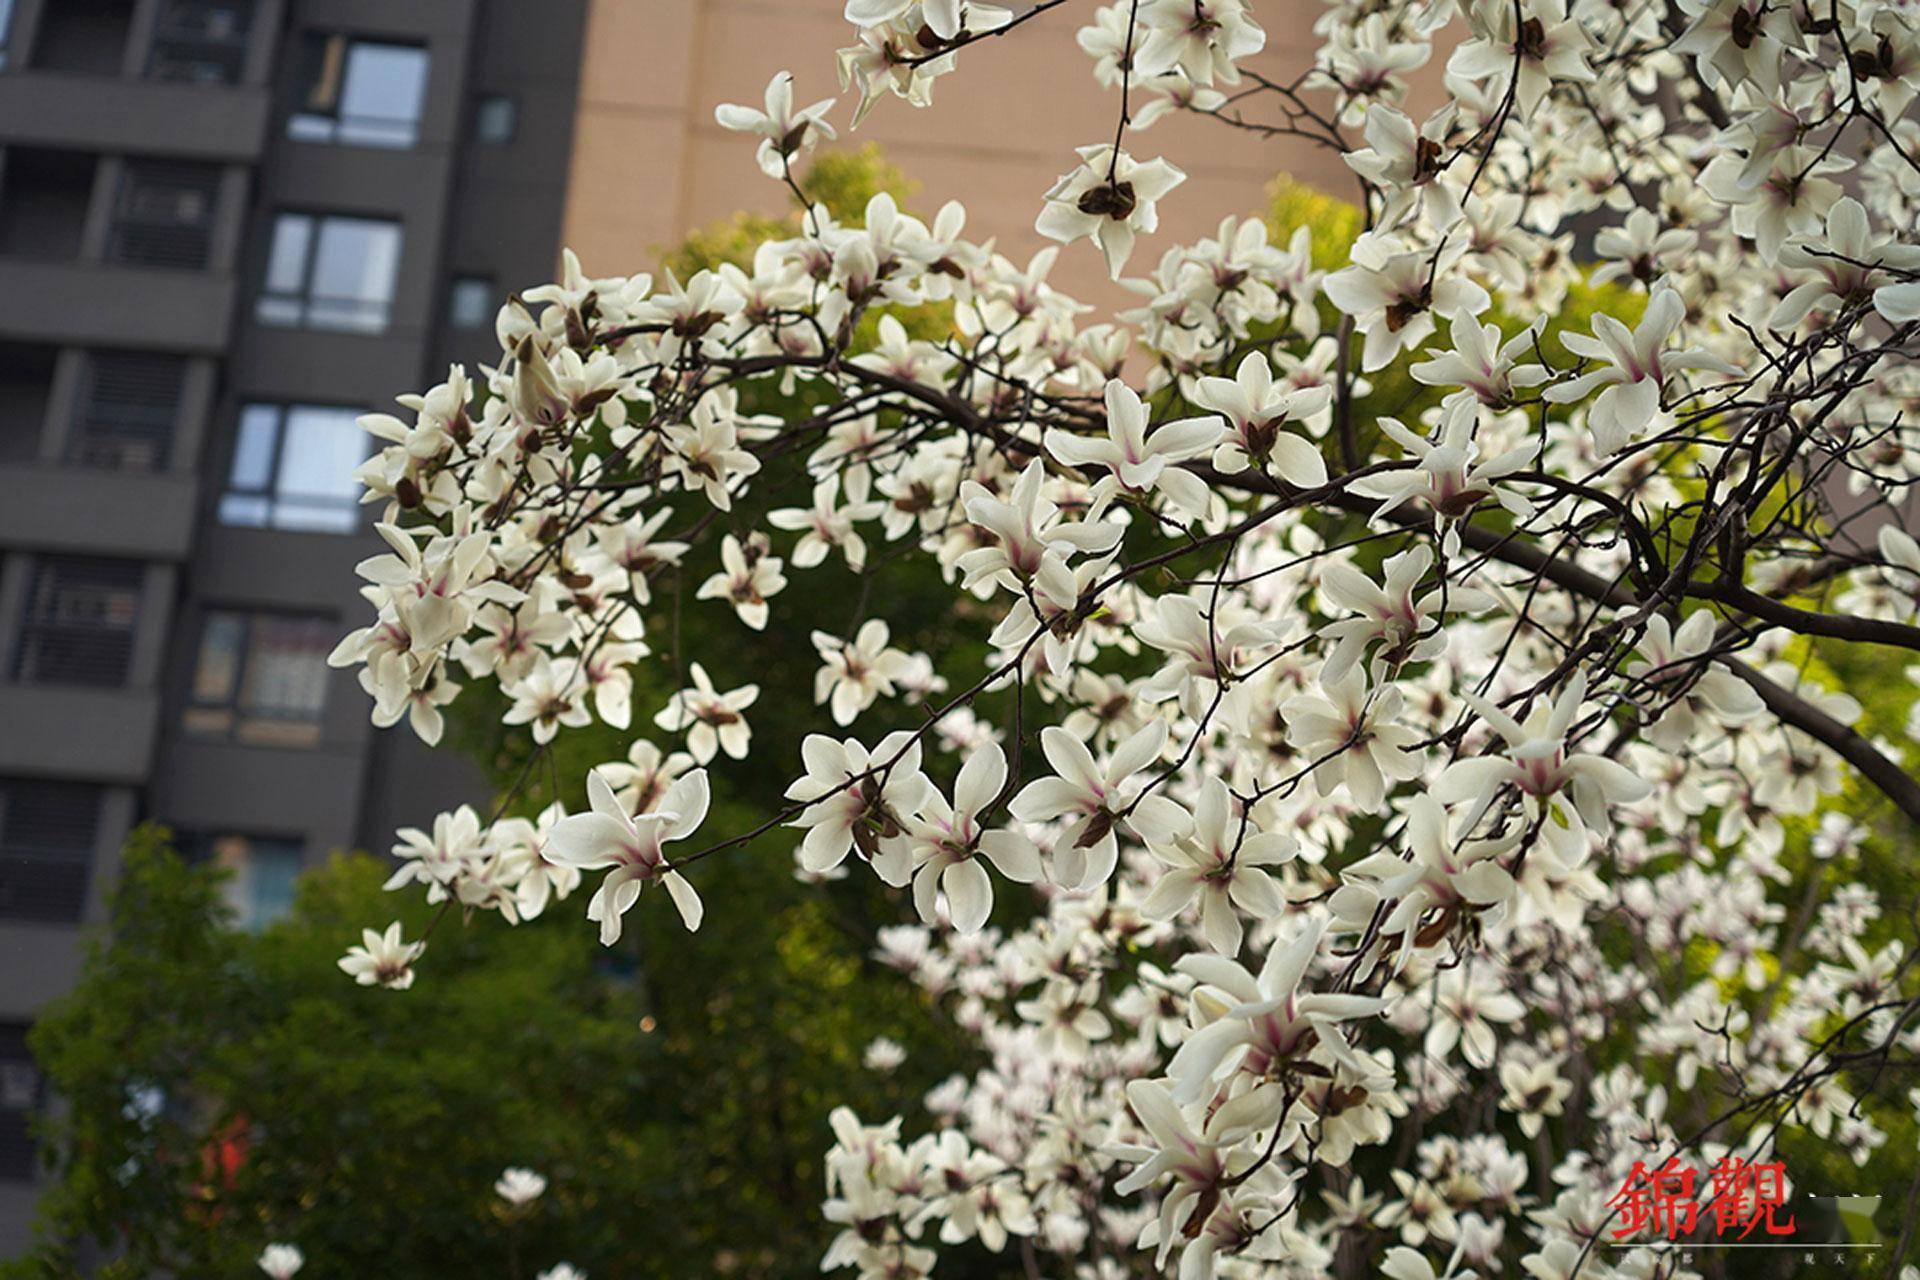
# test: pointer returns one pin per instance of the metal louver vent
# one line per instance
(47, 835)
(79, 621)
(129, 403)
(164, 217)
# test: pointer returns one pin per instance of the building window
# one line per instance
(79, 621)
(128, 404)
(330, 272)
(21, 1095)
(496, 118)
(88, 37)
(260, 678)
(293, 469)
(201, 41)
(358, 92)
(470, 302)
(164, 216)
(47, 835)
(261, 871)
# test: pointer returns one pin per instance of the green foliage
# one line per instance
(675, 1094)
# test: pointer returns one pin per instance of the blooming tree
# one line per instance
(1428, 799)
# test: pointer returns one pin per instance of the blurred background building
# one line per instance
(227, 227)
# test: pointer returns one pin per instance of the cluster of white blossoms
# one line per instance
(1408, 693)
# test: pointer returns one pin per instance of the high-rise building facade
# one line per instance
(227, 227)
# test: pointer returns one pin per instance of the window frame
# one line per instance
(331, 125)
(283, 411)
(240, 718)
(304, 302)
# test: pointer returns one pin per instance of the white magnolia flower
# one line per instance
(519, 1187)
(281, 1261)
(855, 672)
(1024, 530)
(562, 1271)
(1267, 1016)
(857, 799)
(609, 836)
(1110, 197)
(1393, 298)
(747, 577)
(1099, 800)
(1220, 863)
(1689, 685)
(1539, 764)
(1256, 409)
(883, 1055)
(784, 132)
(1635, 368)
(1347, 732)
(1407, 626)
(948, 845)
(712, 720)
(381, 959)
(1137, 463)
(829, 524)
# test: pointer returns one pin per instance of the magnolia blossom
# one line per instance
(748, 575)
(1635, 370)
(383, 960)
(948, 844)
(520, 1187)
(1256, 408)
(1538, 762)
(1110, 197)
(1135, 461)
(1220, 863)
(857, 671)
(784, 132)
(631, 845)
(1098, 801)
(281, 1261)
(711, 719)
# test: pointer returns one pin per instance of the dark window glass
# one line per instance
(261, 871)
(164, 216)
(21, 1095)
(496, 118)
(85, 36)
(128, 405)
(47, 834)
(358, 92)
(79, 621)
(293, 469)
(201, 41)
(470, 302)
(330, 272)
(261, 678)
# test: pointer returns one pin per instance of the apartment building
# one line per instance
(227, 227)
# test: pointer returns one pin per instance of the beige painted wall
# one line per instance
(650, 164)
